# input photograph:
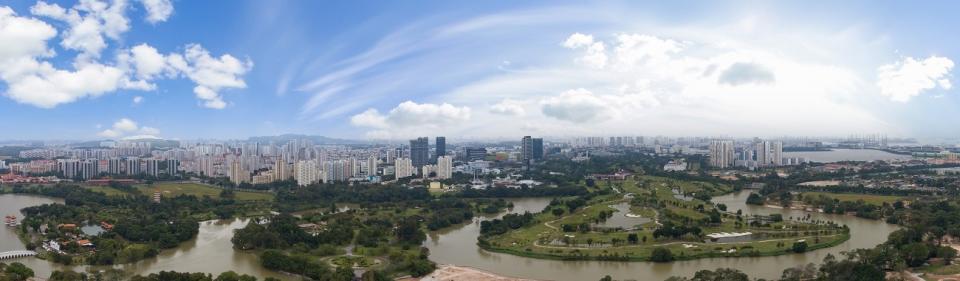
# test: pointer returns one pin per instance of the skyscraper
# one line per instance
(531, 149)
(769, 153)
(441, 145)
(721, 154)
(444, 167)
(419, 151)
(307, 172)
(371, 166)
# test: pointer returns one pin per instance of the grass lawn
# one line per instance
(104, 189)
(868, 198)
(168, 189)
(941, 269)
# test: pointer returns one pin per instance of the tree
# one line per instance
(606, 278)
(721, 274)
(557, 212)
(18, 272)
(799, 247)
(661, 254)
(632, 238)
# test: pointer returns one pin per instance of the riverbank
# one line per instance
(679, 250)
(464, 273)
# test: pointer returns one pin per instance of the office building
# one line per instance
(419, 151)
(441, 147)
(531, 149)
(474, 153)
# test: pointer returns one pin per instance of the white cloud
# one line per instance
(30, 79)
(745, 73)
(126, 128)
(211, 74)
(410, 118)
(902, 80)
(137, 100)
(147, 61)
(158, 10)
(44, 86)
(594, 52)
(578, 106)
(508, 107)
(635, 49)
(125, 125)
(90, 21)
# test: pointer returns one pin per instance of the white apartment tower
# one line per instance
(404, 168)
(721, 154)
(444, 167)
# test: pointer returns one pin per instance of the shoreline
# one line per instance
(844, 237)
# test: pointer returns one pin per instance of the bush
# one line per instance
(661, 254)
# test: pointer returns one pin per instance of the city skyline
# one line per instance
(564, 69)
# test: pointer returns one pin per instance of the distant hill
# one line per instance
(315, 139)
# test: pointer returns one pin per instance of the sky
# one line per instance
(93, 69)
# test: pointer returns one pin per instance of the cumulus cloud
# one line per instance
(89, 21)
(31, 79)
(126, 127)
(508, 107)
(211, 74)
(746, 73)
(902, 80)
(410, 117)
(595, 53)
(634, 49)
(578, 106)
(157, 10)
(137, 100)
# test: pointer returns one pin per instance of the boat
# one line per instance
(11, 221)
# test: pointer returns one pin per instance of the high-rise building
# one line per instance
(721, 154)
(307, 172)
(531, 149)
(474, 153)
(371, 166)
(173, 166)
(441, 145)
(152, 167)
(280, 170)
(237, 174)
(404, 168)
(769, 153)
(419, 151)
(444, 167)
(132, 166)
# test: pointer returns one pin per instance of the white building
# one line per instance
(307, 172)
(444, 167)
(721, 154)
(404, 168)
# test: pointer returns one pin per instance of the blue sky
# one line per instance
(477, 69)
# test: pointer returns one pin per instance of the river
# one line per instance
(211, 250)
(458, 246)
(841, 154)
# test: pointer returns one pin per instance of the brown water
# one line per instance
(458, 246)
(211, 251)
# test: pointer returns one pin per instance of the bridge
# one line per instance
(16, 254)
